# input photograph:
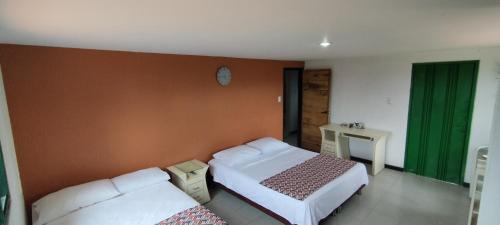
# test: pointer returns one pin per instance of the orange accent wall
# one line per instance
(79, 115)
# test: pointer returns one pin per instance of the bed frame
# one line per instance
(271, 213)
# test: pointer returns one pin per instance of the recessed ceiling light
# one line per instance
(325, 44)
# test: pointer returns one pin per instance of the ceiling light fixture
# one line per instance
(325, 44)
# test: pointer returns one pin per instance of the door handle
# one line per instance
(324, 112)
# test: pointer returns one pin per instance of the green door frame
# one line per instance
(469, 119)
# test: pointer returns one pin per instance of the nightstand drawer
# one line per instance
(194, 187)
(199, 196)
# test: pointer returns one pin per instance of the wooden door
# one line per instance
(315, 107)
(441, 104)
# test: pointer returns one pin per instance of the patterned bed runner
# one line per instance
(198, 215)
(303, 179)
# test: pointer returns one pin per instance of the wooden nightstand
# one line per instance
(189, 176)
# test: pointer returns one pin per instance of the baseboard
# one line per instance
(397, 168)
(366, 161)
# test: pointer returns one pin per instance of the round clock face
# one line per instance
(224, 76)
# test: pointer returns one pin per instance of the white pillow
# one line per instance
(237, 155)
(138, 179)
(67, 200)
(268, 145)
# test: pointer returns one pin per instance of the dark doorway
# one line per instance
(292, 81)
(315, 107)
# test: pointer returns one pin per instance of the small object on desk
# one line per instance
(359, 125)
(189, 176)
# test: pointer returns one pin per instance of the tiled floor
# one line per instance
(391, 198)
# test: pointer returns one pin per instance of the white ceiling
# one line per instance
(271, 29)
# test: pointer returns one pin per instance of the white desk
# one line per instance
(335, 141)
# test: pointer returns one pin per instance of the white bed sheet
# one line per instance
(245, 180)
(146, 206)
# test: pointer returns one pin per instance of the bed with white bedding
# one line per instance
(244, 177)
(147, 206)
(144, 198)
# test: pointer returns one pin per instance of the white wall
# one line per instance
(490, 198)
(376, 90)
(17, 215)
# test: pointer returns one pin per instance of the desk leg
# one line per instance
(378, 162)
(344, 147)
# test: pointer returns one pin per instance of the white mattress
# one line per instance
(245, 180)
(146, 206)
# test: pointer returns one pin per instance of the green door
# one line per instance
(4, 191)
(441, 103)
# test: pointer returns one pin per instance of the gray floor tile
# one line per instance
(391, 198)
(376, 218)
(265, 220)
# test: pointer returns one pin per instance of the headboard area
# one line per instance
(79, 115)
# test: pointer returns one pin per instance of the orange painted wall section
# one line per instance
(79, 115)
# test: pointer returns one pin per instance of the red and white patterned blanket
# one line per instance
(198, 215)
(303, 179)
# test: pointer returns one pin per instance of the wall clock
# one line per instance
(224, 76)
